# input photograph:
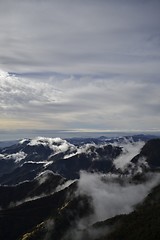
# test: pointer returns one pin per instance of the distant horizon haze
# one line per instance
(9, 135)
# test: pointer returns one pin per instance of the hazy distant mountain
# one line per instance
(7, 143)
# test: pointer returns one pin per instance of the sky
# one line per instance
(80, 65)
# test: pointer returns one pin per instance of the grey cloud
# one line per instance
(109, 198)
(130, 150)
(78, 37)
(96, 103)
(99, 62)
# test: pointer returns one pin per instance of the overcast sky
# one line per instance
(80, 64)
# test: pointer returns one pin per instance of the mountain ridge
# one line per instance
(49, 205)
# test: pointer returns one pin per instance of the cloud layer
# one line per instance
(80, 64)
(84, 103)
(80, 36)
(110, 198)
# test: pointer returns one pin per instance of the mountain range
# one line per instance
(80, 188)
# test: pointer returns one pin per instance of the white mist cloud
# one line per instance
(56, 144)
(44, 176)
(130, 150)
(110, 198)
(64, 185)
(49, 226)
(27, 199)
(15, 156)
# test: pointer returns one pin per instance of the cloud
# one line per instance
(80, 37)
(66, 102)
(56, 144)
(16, 156)
(109, 198)
(49, 226)
(130, 150)
(74, 59)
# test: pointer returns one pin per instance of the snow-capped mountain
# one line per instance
(29, 157)
(23, 161)
(78, 185)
